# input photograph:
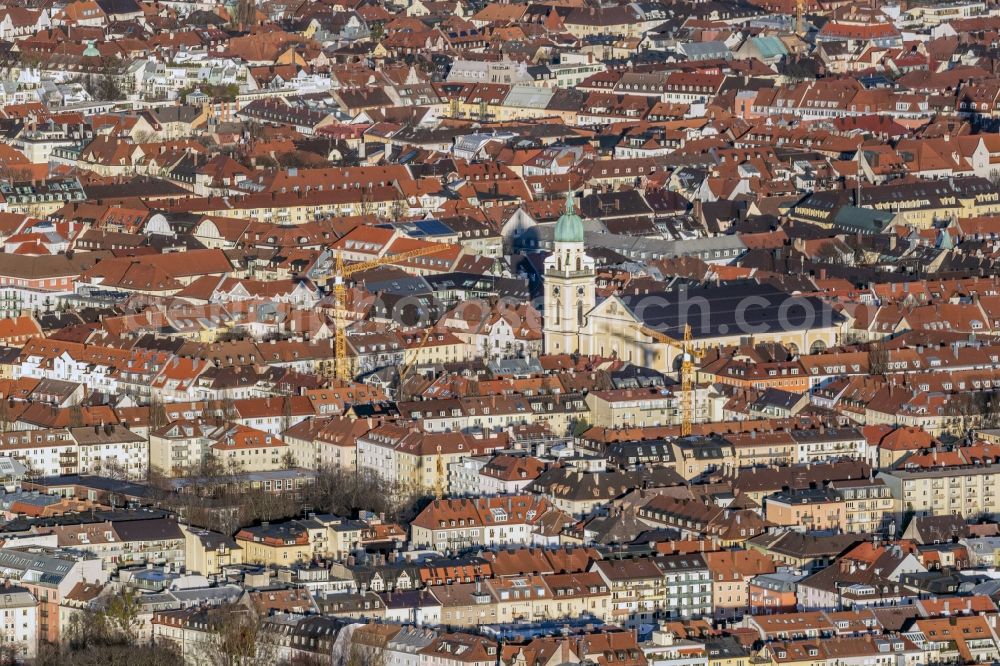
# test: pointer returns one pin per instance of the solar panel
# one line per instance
(433, 227)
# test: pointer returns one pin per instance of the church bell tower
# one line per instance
(569, 285)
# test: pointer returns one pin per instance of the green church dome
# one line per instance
(569, 228)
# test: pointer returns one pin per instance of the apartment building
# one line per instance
(687, 587)
(19, 621)
(207, 552)
(417, 459)
(773, 593)
(284, 543)
(966, 490)
(180, 446)
(811, 509)
(45, 451)
(111, 449)
(49, 574)
(465, 604)
(868, 505)
(731, 572)
(637, 589)
(645, 590)
(488, 521)
(248, 449)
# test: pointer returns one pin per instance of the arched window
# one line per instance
(817, 347)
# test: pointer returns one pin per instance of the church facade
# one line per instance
(630, 326)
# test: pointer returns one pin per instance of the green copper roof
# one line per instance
(770, 47)
(569, 228)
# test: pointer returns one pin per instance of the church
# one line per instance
(631, 326)
(570, 285)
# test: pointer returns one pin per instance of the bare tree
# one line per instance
(216, 498)
(344, 493)
(114, 469)
(228, 407)
(970, 410)
(257, 504)
(76, 416)
(159, 481)
(244, 14)
(366, 650)
(286, 413)
(238, 637)
(157, 412)
(878, 359)
(14, 172)
(103, 636)
(30, 471)
(10, 654)
(308, 659)
(5, 409)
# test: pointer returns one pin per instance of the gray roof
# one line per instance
(31, 498)
(160, 600)
(55, 387)
(729, 309)
(399, 285)
(779, 581)
(642, 248)
(51, 562)
(516, 366)
(411, 639)
(982, 545)
(705, 50)
(16, 597)
(109, 434)
(773, 397)
(528, 96)
(10, 468)
(155, 529)
(864, 219)
(213, 595)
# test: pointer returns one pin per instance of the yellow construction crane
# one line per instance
(341, 369)
(688, 356)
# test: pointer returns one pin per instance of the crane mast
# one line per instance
(341, 367)
(687, 370)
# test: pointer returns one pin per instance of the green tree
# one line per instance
(122, 616)
(103, 84)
